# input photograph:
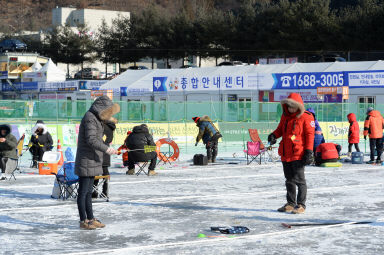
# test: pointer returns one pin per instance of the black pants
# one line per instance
(294, 176)
(105, 185)
(132, 161)
(212, 148)
(3, 162)
(376, 142)
(356, 147)
(84, 198)
(37, 152)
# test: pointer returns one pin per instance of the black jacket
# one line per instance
(43, 140)
(8, 148)
(90, 143)
(140, 136)
(109, 127)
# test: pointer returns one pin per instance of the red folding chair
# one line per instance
(253, 152)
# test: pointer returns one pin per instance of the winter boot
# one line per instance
(286, 208)
(349, 154)
(87, 225)
(95, 222)
(95, 194)
(152, 172)
(131, 172)
(209, 160)
(371, 162)
(34, 164)
(298, 209)
(378, 162)
(213, 160)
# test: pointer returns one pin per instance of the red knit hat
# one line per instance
(196, 119)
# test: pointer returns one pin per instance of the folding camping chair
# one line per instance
(20, 150)
(68, 181)
(142, 166)
(265, 151)
(98, 189)
(10, 165)
(253, 152)
(254, 135)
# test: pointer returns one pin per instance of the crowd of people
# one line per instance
(302, 143)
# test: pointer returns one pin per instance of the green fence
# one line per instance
(168, 111)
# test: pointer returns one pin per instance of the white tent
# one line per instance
(247, 81)
(259, 77)
(49, 72)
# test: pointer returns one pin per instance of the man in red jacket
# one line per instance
(373, 126)
(327, 152)
(297, 129)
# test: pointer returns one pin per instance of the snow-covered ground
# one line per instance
(164, 214)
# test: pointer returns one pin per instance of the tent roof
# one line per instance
(50, 67)
(143, 78)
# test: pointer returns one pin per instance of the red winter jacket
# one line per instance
(354, 130)
(373, 125)
(327, 150)
(296, 129)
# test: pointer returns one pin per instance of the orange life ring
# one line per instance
(171, 143)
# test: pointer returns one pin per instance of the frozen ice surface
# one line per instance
(164, 214)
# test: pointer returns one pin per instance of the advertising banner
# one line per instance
(3, 75)
(308, 80)
(365, 79)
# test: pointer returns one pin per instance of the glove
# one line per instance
(196, 143)
(272, 139)
(308, 157)
(365, 137)
(111, 151)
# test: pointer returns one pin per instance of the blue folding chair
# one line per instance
(68, 181)
(66, 178)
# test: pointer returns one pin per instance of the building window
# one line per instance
(367, 100)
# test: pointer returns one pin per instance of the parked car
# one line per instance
(231, 63)
(88, 73)
(188, 66)
(137, 67)
(326, 58)
(106, 76)
(12, 45)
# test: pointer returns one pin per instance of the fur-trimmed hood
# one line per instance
(40, 125)
(205, 118)
(104, 109)
(294, 99)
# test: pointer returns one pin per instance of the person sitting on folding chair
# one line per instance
(8, 144)
(210, 135)
(135, 143)
(327, 152)
(40, 142)
(109, 128)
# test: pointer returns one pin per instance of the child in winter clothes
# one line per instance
(124, 147)
(353, 133)
(297, 129)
